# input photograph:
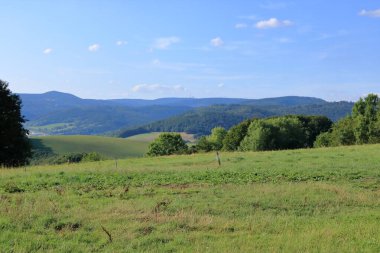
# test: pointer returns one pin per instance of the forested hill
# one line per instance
(60, 113)
(200, 121)
(37, 105)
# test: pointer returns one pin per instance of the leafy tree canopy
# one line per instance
(15, 148)
(167, 144)
(361, 128)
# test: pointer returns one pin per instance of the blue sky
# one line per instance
(151, 49)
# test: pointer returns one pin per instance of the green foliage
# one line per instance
(92, 157)
(365, 113)
(287, 132)
(323, 140)
(14, 145)
(313, 126)
(214, 141)
(12, 187)
(167, 144)
(216, 138)
(261, 135)
(51, 158)
(204, 144)
(343, 132)
(235, 135)
(361, 128)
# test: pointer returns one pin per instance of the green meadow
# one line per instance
(107, 146)
(149, 137)
(312, 200)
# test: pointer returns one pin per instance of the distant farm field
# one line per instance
(314, 200)
(107, 146)
(149, 137)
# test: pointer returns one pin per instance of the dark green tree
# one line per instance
(365, 114)
(235, 135)
(342, 133)
(15, 148)
(361, 128)
(204, 144)
(313, 126)
(261, 135)
(167, 144)
(216, 138)
(214, 141)
(286, 132)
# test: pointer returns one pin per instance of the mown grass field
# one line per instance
(107, 146)
(317, 200)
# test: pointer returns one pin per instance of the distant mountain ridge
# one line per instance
(34, 105)
(54, 112)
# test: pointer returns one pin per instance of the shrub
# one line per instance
(167, 144)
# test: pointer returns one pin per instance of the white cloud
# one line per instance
(220, 85)
(47, 50)
(93, 47)
(146, 88)
(121, 42)
(372, 13)
(216, 42)
(165, 42)
(272, 23)
(241, 26)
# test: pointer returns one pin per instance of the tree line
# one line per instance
(361, 127)
(283, 132)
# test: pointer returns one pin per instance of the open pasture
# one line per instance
(316, 200)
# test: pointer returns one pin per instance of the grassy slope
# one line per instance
(322, 200)
(149, 137)
(110, 147)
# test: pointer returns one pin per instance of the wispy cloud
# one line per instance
(165, 42)
(273, 23)
(93, 47)
(325, 36)
(149, 88)
(47, 50)
(220, 85)
(121, 42)
(370, 13)
(241, 26)
(216, 42)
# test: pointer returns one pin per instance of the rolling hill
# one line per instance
(93, 120)
(106, 146)
(200, 121)
(57, 113)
